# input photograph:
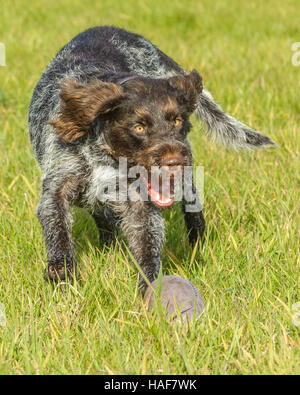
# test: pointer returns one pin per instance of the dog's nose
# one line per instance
(171, 161)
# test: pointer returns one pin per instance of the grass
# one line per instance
(248, 270)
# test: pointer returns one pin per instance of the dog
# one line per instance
(111, 94)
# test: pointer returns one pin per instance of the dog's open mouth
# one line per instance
(160, 190)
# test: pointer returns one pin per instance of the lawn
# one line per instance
(248, 270)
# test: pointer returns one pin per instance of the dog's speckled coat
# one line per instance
(79, 121)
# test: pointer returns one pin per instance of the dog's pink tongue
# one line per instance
(162, 197)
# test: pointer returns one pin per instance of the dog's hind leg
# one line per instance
(107, 225)
(195, 225)
(55, 217)
(193, 216)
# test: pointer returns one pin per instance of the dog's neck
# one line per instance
(121, 80)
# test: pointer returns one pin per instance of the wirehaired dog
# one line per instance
(110, 94)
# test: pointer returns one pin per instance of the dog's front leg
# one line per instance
(143, 227)
(54, 215)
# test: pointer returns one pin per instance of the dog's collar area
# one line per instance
(125, 79)
(119, 81)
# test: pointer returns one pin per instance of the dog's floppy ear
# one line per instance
(81, 104)
(191, 85)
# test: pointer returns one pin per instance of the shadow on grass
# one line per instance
(176, 250)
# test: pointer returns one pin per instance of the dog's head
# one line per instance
(145, 120)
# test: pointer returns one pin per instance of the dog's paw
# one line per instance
(196, 235)
(56, 272)
(106, 238)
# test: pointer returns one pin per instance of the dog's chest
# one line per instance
(102, 185)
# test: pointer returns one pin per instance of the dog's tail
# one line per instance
(226, 129)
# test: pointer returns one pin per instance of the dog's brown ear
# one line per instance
(81, 104)
(191, 85)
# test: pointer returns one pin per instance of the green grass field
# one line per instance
(248, 270)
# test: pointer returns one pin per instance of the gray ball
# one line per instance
(177, 295)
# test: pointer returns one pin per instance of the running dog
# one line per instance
(111, 94)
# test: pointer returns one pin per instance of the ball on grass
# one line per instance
(178, 296)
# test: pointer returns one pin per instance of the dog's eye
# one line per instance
(138, 128)
(178, 122)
